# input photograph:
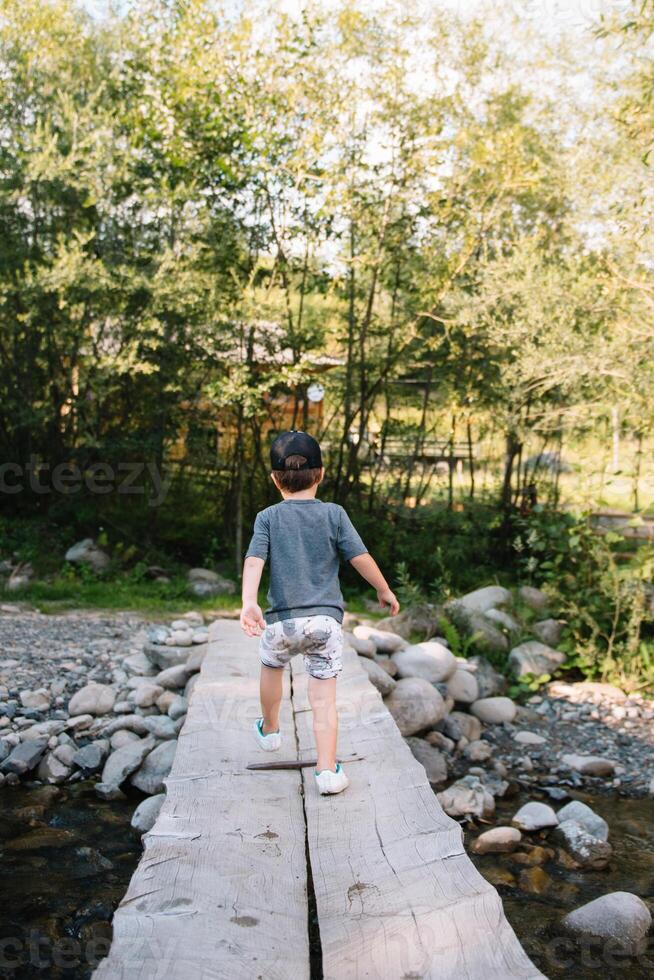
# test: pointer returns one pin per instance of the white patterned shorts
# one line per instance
(318, 638)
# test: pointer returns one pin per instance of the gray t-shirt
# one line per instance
(304, 540)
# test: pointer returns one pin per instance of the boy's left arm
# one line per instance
(368, 568)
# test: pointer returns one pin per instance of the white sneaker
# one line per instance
(270, 742)
(330, 781)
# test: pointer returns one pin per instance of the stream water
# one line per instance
(67, 858)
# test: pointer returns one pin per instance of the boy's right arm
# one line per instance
(252, 620)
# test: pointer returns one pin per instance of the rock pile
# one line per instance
(105, 700)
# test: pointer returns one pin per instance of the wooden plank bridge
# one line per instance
(251, 874)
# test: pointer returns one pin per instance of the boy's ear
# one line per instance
(274, 479)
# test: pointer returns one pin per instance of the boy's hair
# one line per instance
(292, 479)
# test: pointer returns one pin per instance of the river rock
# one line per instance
(548, 631)
(535, 816)
(588, 851)
(177, 707)
(146, 694)
(422, 619)
(172, 678)
(146, 813)
(536, 599)
(200, 636)
(384, 641)
(430, 661)
(498, 840)
(589, 820)
(620, 917)
(38, 700)
(467, 797)
(179, 638)
(52, 770)
(433, 761)
(415, 705)
(195, 658)
(378, 677)
(90, 757)
(489, 681)
(486, 635)
(161, 726)
(87, 552)
(440, 741)
(203, 583)
(162, 656)
(122, 737)
(124, 761)
(481, 600)
(156, 766)
(24, 757)
(534, 657)
(139, 664)
(458, 724)
(43, 729)
(462, 686)
(478, 751)
(528, 738)
(365, 648)
(499, 617)
(589, 765)
(92, 699)
(494, 711)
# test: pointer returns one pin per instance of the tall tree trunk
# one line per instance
(513, 447)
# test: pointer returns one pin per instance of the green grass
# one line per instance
(119, 593)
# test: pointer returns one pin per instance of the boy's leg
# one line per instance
(270, 689)
(322, 697)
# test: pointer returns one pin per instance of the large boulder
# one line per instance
(481, 600)
(90, 757)
(146, 813)
(499, 617)
(467, 797)
(204, 583)
(87, 552)
(494, 711)
(384, 641)
(156, 766)
(378, 677)
(534, 657)
(92, 699)
(462, 686)
(486, 635)
(422, 620)
(620, 917)
(582, 814)
(433, 760)
(430, 660)
(415, 705)
(588, 851)
(53, 770)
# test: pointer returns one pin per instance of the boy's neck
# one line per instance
(309, 494)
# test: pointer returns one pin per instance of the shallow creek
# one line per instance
(67, 858)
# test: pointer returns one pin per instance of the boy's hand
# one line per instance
(252, 621)
(387, 598)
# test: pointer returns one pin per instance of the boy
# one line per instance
(304, 539)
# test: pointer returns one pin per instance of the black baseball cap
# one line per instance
(295, 443)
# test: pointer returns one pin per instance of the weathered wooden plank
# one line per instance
(396, 894)
(220, 892)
